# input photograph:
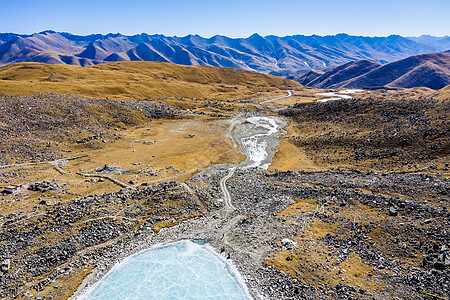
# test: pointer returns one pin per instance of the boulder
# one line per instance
(393, 211)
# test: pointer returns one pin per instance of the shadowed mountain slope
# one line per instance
(343, 73)
(310, 76)
(430, 70)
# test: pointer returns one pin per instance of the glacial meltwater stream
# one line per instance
(344, 94)
(256, 138)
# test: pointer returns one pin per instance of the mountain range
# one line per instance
(289, 56)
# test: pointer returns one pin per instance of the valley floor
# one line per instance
(326, 221)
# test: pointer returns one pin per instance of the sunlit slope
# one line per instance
(137, 80)
(443, 94)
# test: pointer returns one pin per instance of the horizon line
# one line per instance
(220, 35)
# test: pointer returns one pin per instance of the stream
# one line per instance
(344, 94)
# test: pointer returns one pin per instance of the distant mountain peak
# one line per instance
(45, 32)
(255, 36)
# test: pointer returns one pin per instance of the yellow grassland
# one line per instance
(138, 80)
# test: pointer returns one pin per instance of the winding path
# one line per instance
(226, 194)
(55, 162)
(279, 98)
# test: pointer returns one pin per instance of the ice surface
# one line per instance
(329, 99)
(335, 96)
(351, 91)
(338, 96)
(182, 270)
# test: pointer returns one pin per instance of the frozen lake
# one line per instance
(181, 270)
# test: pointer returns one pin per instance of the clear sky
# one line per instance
(233, 18)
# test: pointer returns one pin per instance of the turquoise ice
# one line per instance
(182, 270)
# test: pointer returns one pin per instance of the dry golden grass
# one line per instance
(64, 286)
(290, 157)
(138, 80)
(443, 94)
(153, 146)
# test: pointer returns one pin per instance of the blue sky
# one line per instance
(230, 17)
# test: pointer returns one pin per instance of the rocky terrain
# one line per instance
(387, 135)
(64, 241)
(380, 252)
(373, 223)
(38, 127)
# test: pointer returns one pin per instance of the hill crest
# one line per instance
(139, 80)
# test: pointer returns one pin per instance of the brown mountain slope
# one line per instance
(427, 70)
(310, 76)
(138, 80)
(335, 76)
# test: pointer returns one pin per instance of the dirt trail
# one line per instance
(226, 194)
(279, 98)
(55, 162)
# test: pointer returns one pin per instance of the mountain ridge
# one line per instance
(431, 70)
(288, 56)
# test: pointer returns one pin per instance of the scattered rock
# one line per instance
(5, 265)
(288, 244)
(43, 186)
(393, 211)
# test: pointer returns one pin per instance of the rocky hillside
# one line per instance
(401, 134)
(36, 127)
